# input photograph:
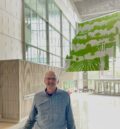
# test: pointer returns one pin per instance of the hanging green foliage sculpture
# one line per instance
(94, 44)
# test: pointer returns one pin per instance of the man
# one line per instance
(51, 108)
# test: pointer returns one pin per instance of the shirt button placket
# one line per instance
(51, 113)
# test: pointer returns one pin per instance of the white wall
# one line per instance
(11, 29)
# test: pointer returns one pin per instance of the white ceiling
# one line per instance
(89, 9)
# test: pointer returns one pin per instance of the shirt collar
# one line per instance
(51, 93)
(57, 91)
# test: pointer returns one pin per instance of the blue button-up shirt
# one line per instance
(51, 112)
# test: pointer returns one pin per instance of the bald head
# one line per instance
(50, 79)
(51, 74)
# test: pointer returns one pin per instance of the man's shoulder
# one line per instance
(38, 97)
(63, 92)
(38, 94)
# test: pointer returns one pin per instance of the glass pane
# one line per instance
(72, 33)
(55, 61)
(54, 14)
(42, 34)
(27, 25)
(34, 29)
(66, 50)
(28, 53)
(58, 61)
(45, 58)
(66, 47)
(34, 55)
(65, 27)
(41, 8)
(51, 60)
(42, 57)
(33, 4)
(54, 41)
(27, 2)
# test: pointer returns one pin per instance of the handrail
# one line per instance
(107, 86)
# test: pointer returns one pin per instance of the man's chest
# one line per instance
(51, 108)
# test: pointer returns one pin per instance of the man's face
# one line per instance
(50, 80)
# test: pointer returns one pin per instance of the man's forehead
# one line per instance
(50, 74)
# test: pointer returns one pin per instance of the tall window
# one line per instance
(48, 33)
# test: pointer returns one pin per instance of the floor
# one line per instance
(96, 112)
(5, 125)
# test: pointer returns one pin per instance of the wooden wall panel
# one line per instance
(9, 89)
(0, 102)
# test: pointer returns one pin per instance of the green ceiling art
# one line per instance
(94, 44)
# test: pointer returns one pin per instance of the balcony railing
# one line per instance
(107, 86)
